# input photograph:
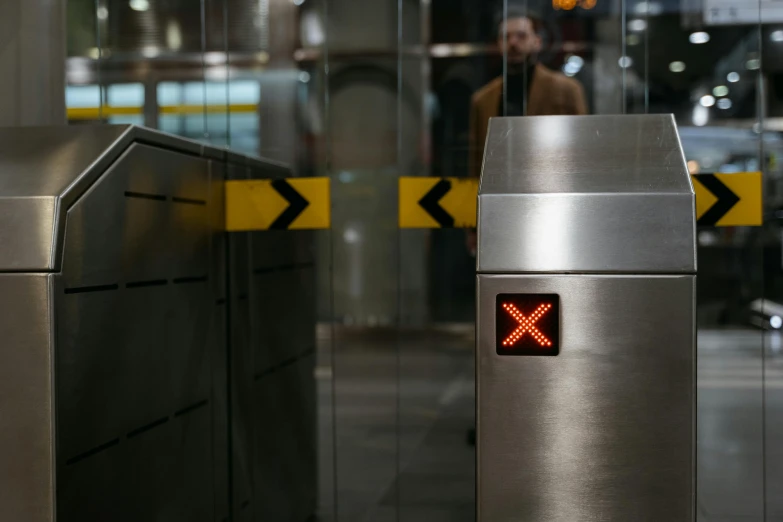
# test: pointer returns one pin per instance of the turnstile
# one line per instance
(151, 366)
(586, 321)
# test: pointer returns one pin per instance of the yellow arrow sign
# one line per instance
(722, 200)
(728, 200)
(283, 204)
(437, 202)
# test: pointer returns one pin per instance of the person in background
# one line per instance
(531, 88)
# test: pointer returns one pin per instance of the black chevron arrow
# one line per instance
(296, 204)
(431, 203)
(726, 199)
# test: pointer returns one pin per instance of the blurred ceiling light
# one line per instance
(297, 2)
(440, 50)
(776, 322)
(633, 39)
(262, 56)
(724, 103)
(304, 76)
(638, 25)
(102, 13)
(753, 64)
(699, 37)
(173, 35)
(625, 62)
(150, 51)
(693, 167)
(573, 65)
(707, 100)
(653, 8)
(312, 29)
(733, 77)
(720, 90)
(677, 67)
(94, 53)
(139, 5)
(701, 115)
(214, 58)
(776, 36)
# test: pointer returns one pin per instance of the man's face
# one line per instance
(519, 39)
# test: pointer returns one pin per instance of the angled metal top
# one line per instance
(585, 194)
(44, 170)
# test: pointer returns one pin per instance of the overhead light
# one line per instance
(102, 13)
(139, 5)
(720, 90)
(633, 39)
(707, 100)
(94, 53)
(625, 62)
(297, 2)
(776, 36)
(724, 103)
(638, 25)
(699, 37)
(776, 322)
(173, 35)
(677, 67)
(304, 76)
(733, 77)
(701, 115)
(653, 8)
(150, 51)
(753, 64)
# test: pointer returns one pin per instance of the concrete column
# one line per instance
(32, 62)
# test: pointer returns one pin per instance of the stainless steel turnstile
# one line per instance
(151, 367)
(586, 329)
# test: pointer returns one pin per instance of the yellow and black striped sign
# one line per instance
(722, 200)
(726, 200)
(278, 204)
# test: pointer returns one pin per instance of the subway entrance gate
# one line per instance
(586, 321)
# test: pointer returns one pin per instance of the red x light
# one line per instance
(527, 324)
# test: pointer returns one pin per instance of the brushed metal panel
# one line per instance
(585, 194)
(26, 399)
(42, 171)
(218, 336)
(163, 473)
(139, 333)
(581, 232)
(286, 452)
(156, 228)
(604, 430)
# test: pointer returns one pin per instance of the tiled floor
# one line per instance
(404, 403)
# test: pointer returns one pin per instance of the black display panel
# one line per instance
(527, 324)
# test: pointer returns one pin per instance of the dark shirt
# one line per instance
(517, 91)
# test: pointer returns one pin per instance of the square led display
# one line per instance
(527, 324)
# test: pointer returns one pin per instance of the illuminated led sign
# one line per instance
(527, 324)
(567, 5)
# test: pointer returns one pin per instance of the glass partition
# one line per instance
(368, 92)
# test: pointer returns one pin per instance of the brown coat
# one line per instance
(550, 93)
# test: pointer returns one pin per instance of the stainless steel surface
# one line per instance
(600, 211)
(32, 62)
(604, 430)
(44, 170)
(142, 337)
(134, 359)
(585, 194)
(26, 399)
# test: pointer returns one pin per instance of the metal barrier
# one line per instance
(586, 321)
(152, 366)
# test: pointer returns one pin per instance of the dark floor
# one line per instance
(402, 451)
